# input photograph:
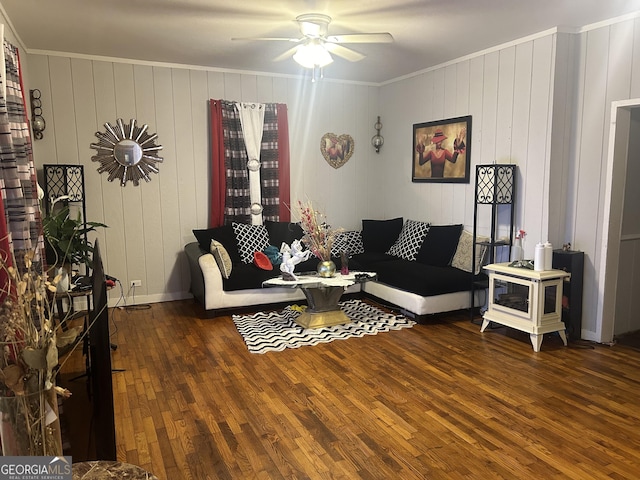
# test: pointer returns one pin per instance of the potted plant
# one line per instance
(65, 237)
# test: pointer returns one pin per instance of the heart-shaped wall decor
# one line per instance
(337, 150)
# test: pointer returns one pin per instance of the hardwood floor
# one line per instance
(434, 401)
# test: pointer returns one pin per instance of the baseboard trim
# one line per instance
(143, 299)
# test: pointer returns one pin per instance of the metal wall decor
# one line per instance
(377, 140)
(337, 149)
(127, 152)
(37, 120)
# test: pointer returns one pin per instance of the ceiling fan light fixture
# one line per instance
(312, 55)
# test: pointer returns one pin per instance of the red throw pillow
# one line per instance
(260, 260)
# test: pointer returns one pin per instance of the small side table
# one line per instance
(527, 300)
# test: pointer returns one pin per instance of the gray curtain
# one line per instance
(18, 184)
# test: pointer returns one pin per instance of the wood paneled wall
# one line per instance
(543, 104)
(608, 70)
(509, 93)
(150, 224)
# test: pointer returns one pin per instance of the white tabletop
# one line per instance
(525, 272)
(338, 280)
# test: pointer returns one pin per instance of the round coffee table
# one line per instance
(323, 295)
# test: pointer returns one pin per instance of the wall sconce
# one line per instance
(37, 121)
(377, 141)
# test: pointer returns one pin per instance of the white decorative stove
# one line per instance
(526, 300)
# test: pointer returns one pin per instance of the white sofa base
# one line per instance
(216, 298)
(414, 305)
(206, 287)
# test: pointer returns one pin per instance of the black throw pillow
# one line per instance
(224, 235)
(283, 232)
(440, 245)
(379, 235)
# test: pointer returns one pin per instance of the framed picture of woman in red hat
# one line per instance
(441, 151)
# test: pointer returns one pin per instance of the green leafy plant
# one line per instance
(65, 238)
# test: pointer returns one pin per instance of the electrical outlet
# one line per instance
(136, 283)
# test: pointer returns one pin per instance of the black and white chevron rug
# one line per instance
(274, 331)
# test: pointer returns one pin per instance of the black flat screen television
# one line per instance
(103, 431)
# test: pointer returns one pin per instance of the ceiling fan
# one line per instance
(315, 46)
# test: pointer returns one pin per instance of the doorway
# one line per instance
(620, 243)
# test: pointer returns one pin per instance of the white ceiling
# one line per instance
(199, 32)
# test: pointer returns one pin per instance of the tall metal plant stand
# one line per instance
(495, 188)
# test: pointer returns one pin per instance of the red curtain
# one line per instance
(5, 252)
(219, 186)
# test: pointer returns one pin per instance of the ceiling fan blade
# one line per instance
(285, 55)
(344, 52)
(361, 38)
(268, 39)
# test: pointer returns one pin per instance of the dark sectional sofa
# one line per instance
(422, 269)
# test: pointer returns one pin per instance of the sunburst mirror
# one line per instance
(127, 152)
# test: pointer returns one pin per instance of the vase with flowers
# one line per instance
(29, 424)
(318, 236)
(517, 251)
